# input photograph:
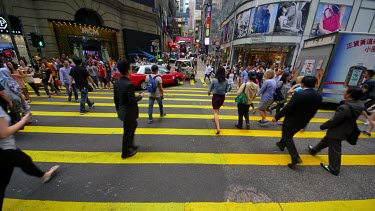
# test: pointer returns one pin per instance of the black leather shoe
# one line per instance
(247, 126)
(293, 165)
(237, 126)
(134, 147)
(328, 169)
(312, 150)
(280, 146)
(132, 152)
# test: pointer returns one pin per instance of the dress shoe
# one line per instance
(312, 150)
(280, 146)
(328, 169)
(247, 126)
(293, 165)
(131, 153)
(134, 147)
(237, 126)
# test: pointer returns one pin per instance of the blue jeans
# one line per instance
(84, 99)
(95, 79)
(230, 87)
(74, 90)
(151, 101)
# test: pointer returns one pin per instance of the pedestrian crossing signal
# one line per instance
(40, 40)
(37, 40)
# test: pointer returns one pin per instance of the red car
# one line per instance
(139, 78)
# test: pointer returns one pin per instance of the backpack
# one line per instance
(151, 85)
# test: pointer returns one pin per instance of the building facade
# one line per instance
(103, 28)
(273, 31)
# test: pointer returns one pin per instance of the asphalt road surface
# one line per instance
(181, 164)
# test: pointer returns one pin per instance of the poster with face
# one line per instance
(330, 18)
(264, 21)
(230, 30)
(242, 24)
(291, 18)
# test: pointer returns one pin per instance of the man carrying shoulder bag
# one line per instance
(340, 127)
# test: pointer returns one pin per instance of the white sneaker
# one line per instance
(366, 123)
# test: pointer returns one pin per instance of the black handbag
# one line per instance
(278, 96)
(353, 137)
(90, 89)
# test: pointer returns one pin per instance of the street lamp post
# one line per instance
(10, 30)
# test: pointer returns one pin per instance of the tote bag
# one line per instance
(242, 97)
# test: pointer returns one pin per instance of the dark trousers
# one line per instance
(84, 99)
(10, 159)
(32, 85)
(334, 152)
(278, 107)
(287, 141)
(45, 85)
(54, 83)
(243, 111)
(128, 137)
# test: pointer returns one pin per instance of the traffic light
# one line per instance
(37, 40)
(40, 41)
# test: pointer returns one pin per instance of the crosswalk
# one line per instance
(182, 164)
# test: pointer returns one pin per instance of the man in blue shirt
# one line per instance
(64, 77)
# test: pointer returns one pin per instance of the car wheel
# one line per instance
(143, 85)
(177, 81)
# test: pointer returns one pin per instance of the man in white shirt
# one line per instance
(207, 73)
(278, 74)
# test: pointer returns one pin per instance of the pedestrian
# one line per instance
(64, 77)
(54, 73)
(46, 75)
(18, 76)
(260, 75)
(127, 108)
(301, 108)
(101, 73)
(156, 94)
(244, 76)
(371, 120)
(267, 91)
(218, 87)
(368, 89)
(80, 75)
(92, 72)
(108, 74)
(340, 126)
(4, 99)
(296, 87)
(207, 73)
(11, 156)
(250, 88)
(29, 75)
(284, 85)
(230, 81)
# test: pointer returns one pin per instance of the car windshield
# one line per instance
(183, 63)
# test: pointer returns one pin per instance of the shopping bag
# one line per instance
(331, 23)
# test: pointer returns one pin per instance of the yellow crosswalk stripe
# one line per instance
(38, 205)
(169, 116)
(168, 131)
(203, 82)
(192, 82)
(144, 105)
(190, 158)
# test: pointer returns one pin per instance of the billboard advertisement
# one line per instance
(265, 18)
(330, 18)
(230, 30)
(242, 24)
(291, 18)
(251, 21)
(355, 54)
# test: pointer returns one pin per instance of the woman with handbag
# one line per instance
(29, 75)
(218, 87)
(245, 96)
(284, 85)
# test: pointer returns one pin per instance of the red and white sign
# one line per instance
(183, 38)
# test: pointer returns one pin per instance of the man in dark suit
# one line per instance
(127, 108)
(340, 126)
(301, 108)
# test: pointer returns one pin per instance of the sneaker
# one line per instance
(84, 112)
(263, 123)
(366, 123)
(150, 121)
(162, 115)
(92, 105)
(366, 133)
